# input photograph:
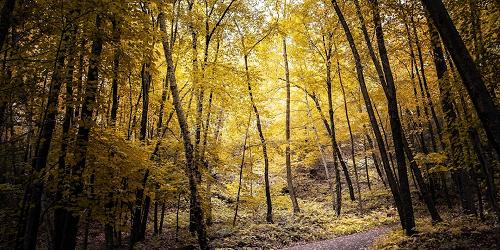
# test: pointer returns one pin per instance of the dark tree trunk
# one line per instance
(116, 66)
(155, 218)
(145, 216)
(269, 214)
(6, 20)
(59, 213)
(471, 77)
(242, 164)
(396, 128)
(352, 139)
(42, 145)
(375, 159)
(488, 176)
(429, 202)
(322, 154)
(335, 147)
(146, 83)
(162, 105)
(426, 96)
(364, 91)
(83, 134)
(453, 144)
(289, 178)
(162, 218)
(136, 227)
(365, 154)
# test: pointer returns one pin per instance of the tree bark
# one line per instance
(146, 83)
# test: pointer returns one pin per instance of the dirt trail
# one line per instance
(362, 240)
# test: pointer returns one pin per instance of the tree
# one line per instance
(471, 77)
(192, 170)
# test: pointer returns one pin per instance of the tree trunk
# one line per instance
(59, 213)
(365, 155)
(116, 34)
(164, 98)
(396, 128)
(188, 146)
(42, 145)
(289, 178)
(426, 96)
(162, 217)
(242, 164)
(322, 154)
(146, 83)
(352, 139)
(471, 77)
(83, 134)
(155, 218)
(364, 91)
(6, 20)
(453, 143)
(429, 202)
(269, 214)
(488, 176)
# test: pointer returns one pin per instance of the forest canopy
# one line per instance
(247, 123)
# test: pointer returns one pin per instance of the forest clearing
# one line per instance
(249, 124)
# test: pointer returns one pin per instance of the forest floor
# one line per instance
(457, 231)
(317, 227)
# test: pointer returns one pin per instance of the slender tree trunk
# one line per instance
(426, 96)
(242, 164)
(42, 145)
(289, 178)
(396, 128)
(322, 154)
(177, 217)
(375, 158)
(383, 153)
(453, 143)
(155, 218)
(164, 98)
(83, 134)
(488, 176)
(59, 213)
(353, 154)
(162, 217)
(146, 83)
(269, 214)
(429, 202)
(116, 33)
(188, 146)
(365, 155)
(471, 77)
(145, 215)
